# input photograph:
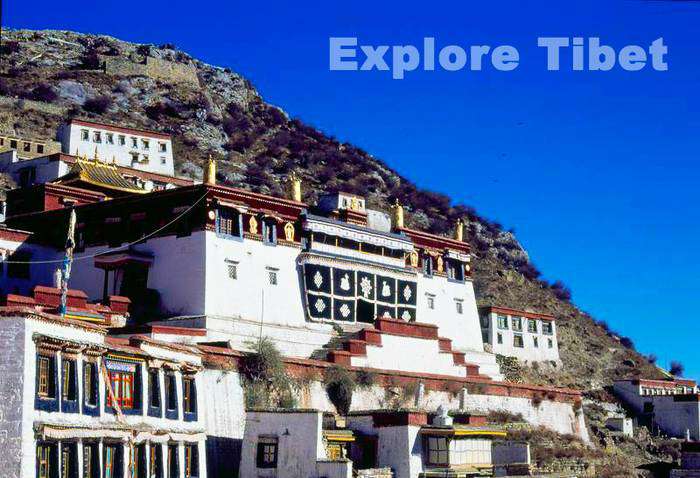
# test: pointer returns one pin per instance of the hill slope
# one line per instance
(48, 76)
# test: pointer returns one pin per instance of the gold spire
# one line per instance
(97, 158)
(294, 187)
(459, 230)
(397, 215)
(210, 171)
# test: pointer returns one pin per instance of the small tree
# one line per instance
(340, 385)
(98, 104)
(677, 368)
(266, 382)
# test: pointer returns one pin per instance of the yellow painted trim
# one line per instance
(86, 319)
(124, 357)
(343, 438)
(459, 433)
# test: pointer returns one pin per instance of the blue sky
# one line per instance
(596, 171)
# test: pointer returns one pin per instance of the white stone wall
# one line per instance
(527, 353)
(12, 381)
(159, 162)
(45, 169)
(300, 442)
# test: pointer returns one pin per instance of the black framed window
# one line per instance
(269, 230)
(173, 461)
(138, 461)
(46, 382)
(267, 452)
(438, 451)
(154, 393)
(46, 460)
(155, 461)
(112, 460)
(191, 460)
(171, 396)
(69, 460)
(91, 460)
(228, 222)
(90, 384)
(189, 398)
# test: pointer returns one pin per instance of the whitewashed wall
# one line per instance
(528, 352)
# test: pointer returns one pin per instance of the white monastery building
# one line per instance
(171, 281)
(135, 148)
(527, 336)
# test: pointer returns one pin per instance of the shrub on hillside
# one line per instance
(677, 368)
(266, 383)
(98, 104)
(9, 47)
(43, 92)
(561, 291)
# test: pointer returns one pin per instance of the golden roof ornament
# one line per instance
(97, 158)
(210, 171)
(459, 230)
(397, 215)
(294, 187)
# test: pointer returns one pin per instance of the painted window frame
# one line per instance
(189, 398)
(170, 395)
(69, 385)
(235, 217)
(46, 396)
(434, 451)
(267, 452)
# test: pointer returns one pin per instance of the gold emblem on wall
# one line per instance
(354, 204)
(413, 256)
(439, 264)
(289, 231)
(253, 225)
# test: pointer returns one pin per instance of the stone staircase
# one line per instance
(403, 346)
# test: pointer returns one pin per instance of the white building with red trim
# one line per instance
(527, 336)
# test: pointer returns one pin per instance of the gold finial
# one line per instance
(210, 171)
(114, 160)
(397, 218)
(459, 230)
(294, 187)
(96, 158)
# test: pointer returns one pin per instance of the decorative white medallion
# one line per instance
(386, 314)
(407, 293)
(344, 310)
(406, 316)
(320, 305)
(386, 290)
(345, 282)
(318, 279)
(366, 287)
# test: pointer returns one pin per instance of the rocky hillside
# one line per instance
(48, 76)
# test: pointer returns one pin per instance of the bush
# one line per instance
(627, 342)
(9, 47)
(162, 109)
(365, 378)
(266, 383)
(561, 291)
(340, 386)
(98, 104)
(677, 368)
(90, 61)
(44, 93)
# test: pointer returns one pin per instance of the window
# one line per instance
(499, 338)
(13, 143)
(431, 301)
(138, 461)
(269, 230)
(162, 147)
(170, 392)
(518, 341)
(97, 137)
(173, 468)
(27, 147)
(517, 324)
(267, 452)
(134, 142)
(191, 461)
(85, 135)
(455, 270)
(470, 451)
(134, 157)
(123, 380)
(535, 342)
(145, 144)
(91, 460)
(532, 326)
(163, 160)
(46, 460)
(110, 461)
(109, 138)
(189, 395)
(121, 139)
(40, 148)
(459, 304)
(153, 388)
(232, 268)
(550, 343)
(272, 276)
(69, 381)
(228, 222)
(90, 383)
(502, 322)
(145, 159)
(438, 451)
(155, 461)
(547, 328)
(68, 460)
(427, 265)
(46, 370)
